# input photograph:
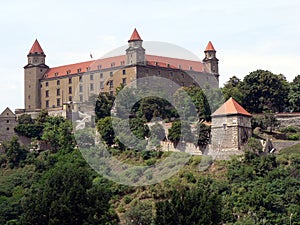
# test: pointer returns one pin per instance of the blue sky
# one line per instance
(248, 35)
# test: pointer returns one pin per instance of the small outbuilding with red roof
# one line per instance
(231, 127)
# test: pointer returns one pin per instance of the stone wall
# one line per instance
(7, 125)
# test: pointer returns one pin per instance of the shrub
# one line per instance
(294, 137)
(289, 129)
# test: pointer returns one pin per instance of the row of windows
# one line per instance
(58, 102)
(91, 78)
(70, 91)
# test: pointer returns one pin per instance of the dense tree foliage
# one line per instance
(103, 105)
(67, 196)
(180, 131)
(199, 205)
(232, 88)
(264, 91)
(198, 101)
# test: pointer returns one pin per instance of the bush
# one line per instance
(294, 137)
(127, 199)
(289, 129)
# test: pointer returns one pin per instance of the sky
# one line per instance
(248, 35)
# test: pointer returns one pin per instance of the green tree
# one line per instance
(25, 119)
(202, 135)
(199, 205)
(104, 127)
(66, 196)
(232, 88)
(294, 94)
(158, 134)
(265, 91)
(14, 151)
(180, 131)
(197, 100)
(214, 97)
(140, 213)
(103, 105)
(58, 133)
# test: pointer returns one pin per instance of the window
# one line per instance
(158, 72)
(101, 75)
(47, 104)
(99, 67)
(124, 81)
(88, 68)
(56, 74)
(70, 80)
(58, 102)
(28, 96)
(80, 98)
(124, 72)
(79, 70)
(47, 94)
(47, 84)
(179, 66)
(112, 64)
(7, 121)
(111, 84)
(7, 128)
(92, 77)
(182, 75)
(58, 92)
(80, 78)
(92, 87)
(111, 74)
(58, 82)
(80, 88)
(168, 65)
(191, 68)
(70, 90)
(70, 98)
(68, 71)
(101, 85)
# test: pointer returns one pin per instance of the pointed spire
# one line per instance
(210, 47)
(135, 36)
(36, 48)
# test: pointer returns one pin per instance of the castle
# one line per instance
(51, 88)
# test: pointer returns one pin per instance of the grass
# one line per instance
(295, 149)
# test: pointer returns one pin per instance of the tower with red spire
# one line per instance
(135, 53)
(33, 72)
(210, 61)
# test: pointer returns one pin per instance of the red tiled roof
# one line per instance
(231, 107)
(135, 36)
(67, 69)
(36, 48)
(210, 47)
(116, 61)
(175, 63)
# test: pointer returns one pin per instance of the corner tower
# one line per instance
(210, 61)
(33, 72)
(135, 53)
